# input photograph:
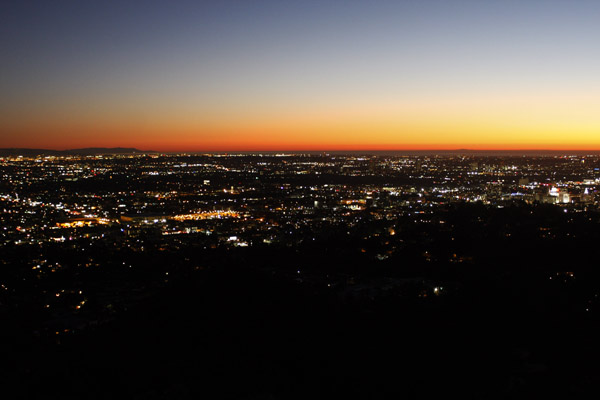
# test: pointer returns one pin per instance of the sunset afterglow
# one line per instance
(264, 75)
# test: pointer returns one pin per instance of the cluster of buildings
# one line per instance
(115, 209)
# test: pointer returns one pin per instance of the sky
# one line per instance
(300, 75)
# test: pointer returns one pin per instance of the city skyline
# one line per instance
(271, 199)
(238, 276)
(277, 76)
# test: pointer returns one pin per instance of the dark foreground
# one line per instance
(235, 333)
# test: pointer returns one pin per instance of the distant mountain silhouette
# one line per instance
(90, 151)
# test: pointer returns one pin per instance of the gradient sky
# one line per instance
(300, 75)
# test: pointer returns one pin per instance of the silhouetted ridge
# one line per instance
(90, 151)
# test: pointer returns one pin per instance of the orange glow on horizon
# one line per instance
(315, 141)
(496, 121)
(328, 138)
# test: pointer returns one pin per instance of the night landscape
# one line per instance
(282, 200)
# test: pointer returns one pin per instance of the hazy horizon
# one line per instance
(432, 151)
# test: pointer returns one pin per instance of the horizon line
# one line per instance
(411, 150)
